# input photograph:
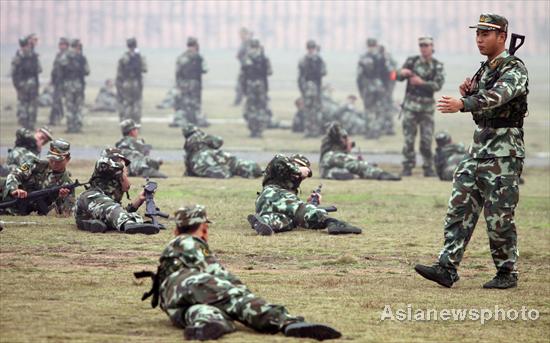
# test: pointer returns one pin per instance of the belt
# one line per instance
(497, 123)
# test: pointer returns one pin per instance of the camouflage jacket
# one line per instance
(311, 68)
(56, 76)
(190, 66)
(200, 141)
(34, 175)
(25, 148)
(372, 72)
(256, 66)
(25, 68)
(496, 101)
(188, 254)
(421, 98)
(74, 67)
(131, 66)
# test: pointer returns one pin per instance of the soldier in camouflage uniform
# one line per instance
(246, 37)
(56, 113)
(106, 99)
(311, 70)
(189, 69)
(346, 114)
(98, 209)
(135, 150)
(28, 144)
(278, 208)
(488, 178)
(74, 67)
(425, 76)
(448, 156)
(371, 75)
(129, 82)
(25, 68)
(337, 162)
(255, 69)
(202, 297)
(36, 174)
(204, 158)
(45, 99)
(169, 100)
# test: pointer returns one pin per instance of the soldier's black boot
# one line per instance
(407, 171)
(208, 331)
(429, 172)
(144, 228)
(259, 226)
(338, 227)
(437, 273)
(386, 176)
(91, 225)
(503, 280)
(319, 332)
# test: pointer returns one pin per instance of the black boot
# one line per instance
(319, 332)
(338, 227)
(386, 176)
(259, 226)
(443, 276)
(407, 171)
(208, 331)
(91, 225)
(145, 228)
(429, 172)
(503, 280)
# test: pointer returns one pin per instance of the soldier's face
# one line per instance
(426, 50)
(59, 166)
(134, 133)
(489, 41)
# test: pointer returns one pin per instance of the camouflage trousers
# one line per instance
(27, 108)
(222, 165)
(56, 112)
(340, 162)
(196, 298)
(492, 185)
(374, 112)
(411, 122)
(256, 112)
(130, 101)
(313, 113)
(188, 103)
(284, 211)
(73, 96)
(94, 204)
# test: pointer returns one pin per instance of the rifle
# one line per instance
(40, 197)
(315, 195)
(151, 209)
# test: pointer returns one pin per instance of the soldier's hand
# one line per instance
(19, 193)
(312, 195)
(465, 87)
(416, 80)
(406, 72)
(449, 104)
(63, 192)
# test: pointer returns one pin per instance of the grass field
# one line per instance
(58, 284)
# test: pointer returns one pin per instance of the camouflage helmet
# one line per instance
(311, 44)
(131, 43)
(115, 154)
(442, 138)
(192, 41)
(493, 22)
(255, 43)
(23, 41)
(59, 150)
(190, 215)
(336, 132)
(425, 40)
(128, 125)
(300, 160)
(188, 129)
(75, 43)
(372, 42)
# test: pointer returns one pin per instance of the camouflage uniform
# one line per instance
(189, 69)
(56, 113)
(35, 174)
(371, 75)
(448, 156)
(488, 179)
(349, 118)
(311, 70)
(204, 158)
(129, 82)
(241, 56)
(337, 163)
(25, 68)
(45, 99)
(256, 68)
(418, 110)
(135, 150)
(106, 99)
(25, 148)
(74, 67)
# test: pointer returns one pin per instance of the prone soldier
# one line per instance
(28, 144)
(106, 99)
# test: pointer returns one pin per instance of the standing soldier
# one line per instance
(246, 37)
(129, 82)
(189, 69)
(74, 67)
(56, 113)
(311, 70)
(488, 178)
(25, 68)
(371, 72)
(256, 68)
(425, 76)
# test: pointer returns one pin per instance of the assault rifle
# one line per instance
(39, 198)
(151, 209)
(315, 200)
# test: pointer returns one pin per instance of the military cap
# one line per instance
(131, 42)
(75, 43)
(46, 131)
(311, 44)
(442, 138)
(300, 160)
(255, 43)
(372, 42)
(188, 130)
(192, 41)
(489, 21)
(128, 125)
(59, 149)
(63, 40)
(115, 154)
(23, 41)
(190, 215)
(425, 40)
(244, 30)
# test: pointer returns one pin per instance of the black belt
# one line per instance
(497, 123)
